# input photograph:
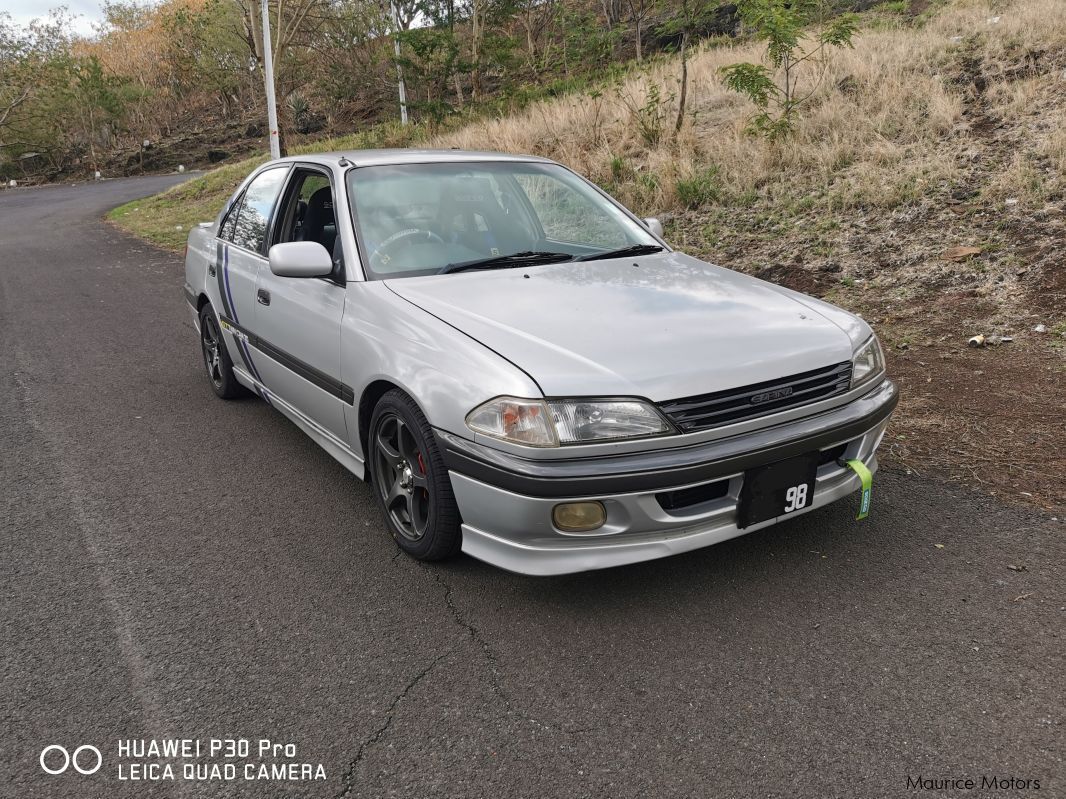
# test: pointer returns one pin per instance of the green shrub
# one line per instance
(701, 189)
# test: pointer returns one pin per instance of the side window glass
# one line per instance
(254, 216)
(229, 224)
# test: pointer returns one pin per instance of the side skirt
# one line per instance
(325, 439)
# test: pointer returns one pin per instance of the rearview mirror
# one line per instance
(300, 259)
(654, 225)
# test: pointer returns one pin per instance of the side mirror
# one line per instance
(300, 259)
(654, 225)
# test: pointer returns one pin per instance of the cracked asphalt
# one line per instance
(177, 566)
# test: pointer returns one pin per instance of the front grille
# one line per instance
(737, 404)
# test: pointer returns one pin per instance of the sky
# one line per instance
(22, 11)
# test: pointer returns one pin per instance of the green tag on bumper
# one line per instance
(860, 469)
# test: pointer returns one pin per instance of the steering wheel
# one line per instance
(381, 256)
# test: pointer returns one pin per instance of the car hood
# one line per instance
(662, 327)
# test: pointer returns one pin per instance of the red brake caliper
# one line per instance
(421, 463)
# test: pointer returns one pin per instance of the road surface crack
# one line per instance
(486, 650)
(379, 733)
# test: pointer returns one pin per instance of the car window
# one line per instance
(254, 216)
(569, 216)
(312, 182)
(230, 222)
(308, 213)
(417, 219)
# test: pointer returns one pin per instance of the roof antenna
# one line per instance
(344, 162)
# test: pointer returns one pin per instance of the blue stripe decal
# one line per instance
(241, 343)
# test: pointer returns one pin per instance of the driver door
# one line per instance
(298, 320)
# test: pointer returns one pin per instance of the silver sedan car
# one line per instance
(521, 368)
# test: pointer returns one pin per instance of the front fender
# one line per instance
(386, 338)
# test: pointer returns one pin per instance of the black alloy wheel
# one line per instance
(410, 481)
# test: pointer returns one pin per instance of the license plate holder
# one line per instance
(777, 489)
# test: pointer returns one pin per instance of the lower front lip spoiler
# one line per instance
(541, 559)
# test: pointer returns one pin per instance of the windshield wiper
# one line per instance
(622, 252)
(528, 258)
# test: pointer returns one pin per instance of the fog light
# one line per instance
(579, 517)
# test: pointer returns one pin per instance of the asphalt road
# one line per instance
(178, 566)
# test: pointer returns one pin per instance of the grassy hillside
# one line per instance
(917, 110)
(940, 130)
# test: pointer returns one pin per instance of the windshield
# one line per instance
(421, 219)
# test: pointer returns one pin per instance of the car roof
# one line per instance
(405, 156)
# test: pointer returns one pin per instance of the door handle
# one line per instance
(263, 297)
(211, 270)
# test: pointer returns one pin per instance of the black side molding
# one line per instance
(309, 373)
(662, 469)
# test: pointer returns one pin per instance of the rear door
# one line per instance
(239, 257)
(298, 320)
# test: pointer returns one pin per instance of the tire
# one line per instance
(217, 362)
(409, 480)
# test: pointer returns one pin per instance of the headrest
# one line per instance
(321, 200)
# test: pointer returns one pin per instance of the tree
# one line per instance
(16, 74)
(783, 25)
(487, 43)
(535, 17)
(684, 23)
(349, 61)
(639, 11)
(612, 11)
(440, 14)
(97, 98)
(206, 55)
(294, 23)
(434, 57)
(35, 91)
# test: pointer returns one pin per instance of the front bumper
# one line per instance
(506, 502)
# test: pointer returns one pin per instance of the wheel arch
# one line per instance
(368, 400)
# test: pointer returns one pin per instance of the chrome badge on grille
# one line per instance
(769, 396)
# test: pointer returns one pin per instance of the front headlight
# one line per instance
(599, 420)
(867, 363)
(541, 423)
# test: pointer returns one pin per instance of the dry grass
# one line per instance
(871, 135)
